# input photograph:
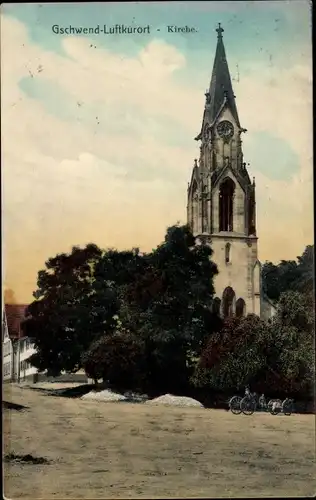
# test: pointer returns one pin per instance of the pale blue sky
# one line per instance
(116, 124)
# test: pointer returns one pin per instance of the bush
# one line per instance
(117, 358)
(267, 356)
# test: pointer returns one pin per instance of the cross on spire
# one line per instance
(219, 31)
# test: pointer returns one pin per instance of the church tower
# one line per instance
(221, 209)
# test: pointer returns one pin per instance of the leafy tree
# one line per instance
(290, 275)
(171, 307)
(65, 317)
(294, 327)
(117, 358)
(305, 283)
(165, 302)
(280, 278)
(232, 357)
(271, 357)
(294, 311)
(270, 280)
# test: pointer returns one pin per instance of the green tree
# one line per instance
(271, 357)
(117, 358)
(65, 317)
(305, 283)
(233, 357)
(165, 302)
(293, 325)
(294, 311)
(170, 307)
(281, 278)
(290, 276)
(270, 280)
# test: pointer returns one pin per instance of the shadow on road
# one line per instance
(69, 392)
(9, 405)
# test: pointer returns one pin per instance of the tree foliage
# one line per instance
(272, 357)
(65, 318)
(294, 311)
(117, 358)
(290, 275)
(232, 357)
(145, 321)
(174, 295)
(165, 302)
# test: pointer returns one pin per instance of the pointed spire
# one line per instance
(221, 85)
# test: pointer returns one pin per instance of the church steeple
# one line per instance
(221, 89)
(221, 208)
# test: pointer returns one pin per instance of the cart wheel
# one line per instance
(247, 406)
(275, 406)
(287, 407)
(234, 405)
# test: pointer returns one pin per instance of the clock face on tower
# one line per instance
(225, 129)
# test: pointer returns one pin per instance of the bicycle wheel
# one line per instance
(275, 406)
(287, 407)
(247, 405)
(234, 405)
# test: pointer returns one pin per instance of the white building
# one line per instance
(17, 349)
(7, 351)
(26, 349)
(13, 315)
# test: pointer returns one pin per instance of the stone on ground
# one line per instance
(170, 400)
(105, 395)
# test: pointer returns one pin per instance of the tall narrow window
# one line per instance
(227, 253)
(240, 308)
(194, 207)
(228, 302)
(251, 216)
(226, 205)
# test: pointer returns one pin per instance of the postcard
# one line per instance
(158, 251)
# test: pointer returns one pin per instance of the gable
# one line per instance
(225, 172)
(258, 264)
(224, 113)
(15, 314)
(194, 179)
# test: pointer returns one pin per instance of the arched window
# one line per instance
(194, 207)
(226, 205)
(227, 252)
(240, 308)
(228, 302)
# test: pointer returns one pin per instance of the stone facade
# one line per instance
(221, 207)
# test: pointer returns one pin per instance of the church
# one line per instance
(221, 207)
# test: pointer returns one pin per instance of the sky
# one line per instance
(98, 130)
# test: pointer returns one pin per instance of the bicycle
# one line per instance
(287, 406)
(276, 406)
(248, 404)
(234, 405)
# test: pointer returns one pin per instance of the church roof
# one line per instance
(221, 86)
